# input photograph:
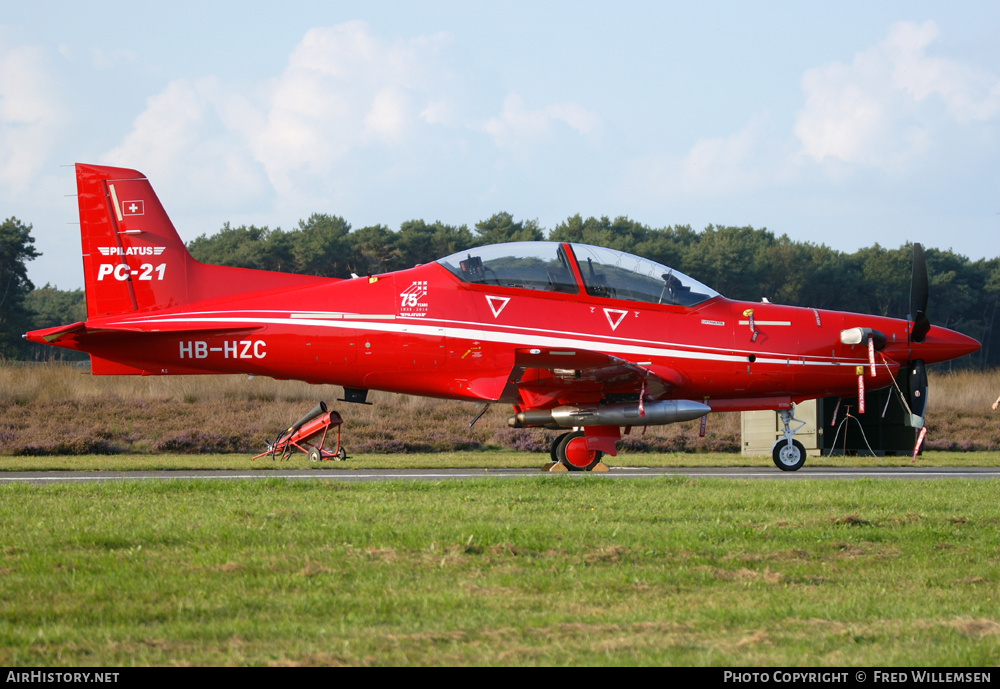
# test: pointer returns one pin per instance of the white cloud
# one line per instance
(969, 94)
(345, 97)
(439, 112)
(389, 116)
(729, 164)
(885, 110)
(188, 136)
(345, 88)
(713, 166)
(30, 116)
(879, 111)
(517, 126)
(168, 128)
(104, 60)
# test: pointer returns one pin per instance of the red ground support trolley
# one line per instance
(309, 435)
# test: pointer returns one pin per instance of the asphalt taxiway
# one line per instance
(362, 475)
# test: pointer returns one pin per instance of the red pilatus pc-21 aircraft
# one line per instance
(573, 336)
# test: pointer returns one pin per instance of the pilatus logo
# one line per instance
(131, 251)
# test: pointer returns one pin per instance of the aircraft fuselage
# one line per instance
(422, 331)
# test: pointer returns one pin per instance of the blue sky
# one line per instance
(838, 123)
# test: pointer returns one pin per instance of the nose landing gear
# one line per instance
(789, 454)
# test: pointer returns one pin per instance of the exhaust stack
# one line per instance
(657, 413)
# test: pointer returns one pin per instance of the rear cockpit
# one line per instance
(525, 265)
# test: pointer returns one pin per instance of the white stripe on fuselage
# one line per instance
(475, 331)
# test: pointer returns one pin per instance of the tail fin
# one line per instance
(133, 258)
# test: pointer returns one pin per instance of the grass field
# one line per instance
(525, 571)
(540, 571)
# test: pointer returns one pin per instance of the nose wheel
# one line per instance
(789, 454)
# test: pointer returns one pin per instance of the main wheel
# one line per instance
(572, 452)
(788, 458)
(554, 450)
(314, 454)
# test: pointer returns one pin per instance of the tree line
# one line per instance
(739, 262)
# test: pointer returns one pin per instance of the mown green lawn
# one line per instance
(532, 571)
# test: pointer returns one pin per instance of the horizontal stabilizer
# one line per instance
(107, 367)
(176, 327)
(53, 335)
(80, 330)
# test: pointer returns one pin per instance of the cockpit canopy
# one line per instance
(606, 273)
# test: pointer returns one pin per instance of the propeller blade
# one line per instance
(918, 392)
(918, 296)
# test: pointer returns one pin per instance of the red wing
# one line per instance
(544, 377)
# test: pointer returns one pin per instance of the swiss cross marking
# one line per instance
(132, 208)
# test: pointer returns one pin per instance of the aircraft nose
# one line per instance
(942, 344)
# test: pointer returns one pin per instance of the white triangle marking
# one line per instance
(492, 301)
(616, 322)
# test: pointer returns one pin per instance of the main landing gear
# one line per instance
(789, 454)
(570, 453)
